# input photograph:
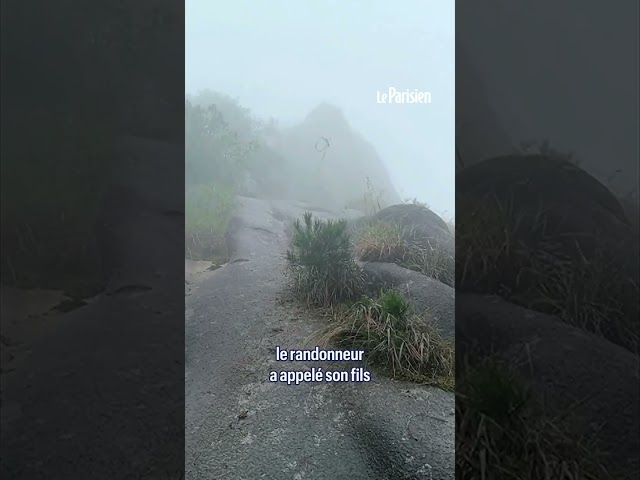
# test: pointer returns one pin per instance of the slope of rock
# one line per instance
(241, 426)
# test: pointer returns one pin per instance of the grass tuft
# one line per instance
(500, 252)
(502, 433)
(382, 242)
(394, 339)
(393, 243)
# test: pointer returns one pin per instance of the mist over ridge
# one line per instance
(285, 59)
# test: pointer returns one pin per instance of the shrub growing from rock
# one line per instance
(321, 264)
(392, 242)
(394, 338)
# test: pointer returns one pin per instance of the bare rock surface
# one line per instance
(241, 426)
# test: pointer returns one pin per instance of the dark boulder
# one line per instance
(548, 199)
(539, 230)
(427, 243)
(422, 225)
(412, 215)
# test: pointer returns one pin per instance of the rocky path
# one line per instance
(241, 426)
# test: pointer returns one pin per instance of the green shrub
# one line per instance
(394, 304)
(218, 147)
(208, 210)
(214, 153)
(321, 263)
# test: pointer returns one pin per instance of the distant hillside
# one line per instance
(330, 162)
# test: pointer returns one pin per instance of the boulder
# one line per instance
(421, 228)
(537, 229)
(550, 198)
(412, 215)
(425, 294)
(422, 225)
(588, 383)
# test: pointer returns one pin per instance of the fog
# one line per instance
(283, 59)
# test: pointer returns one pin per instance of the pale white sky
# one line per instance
(282, 58)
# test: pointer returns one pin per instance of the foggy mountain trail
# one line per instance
(238, 425)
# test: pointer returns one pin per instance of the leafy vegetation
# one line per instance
(209, 211)
(324, 274)
(502, 429)
(321, 264)
(214, 153)
(224, 150)
(213, 156)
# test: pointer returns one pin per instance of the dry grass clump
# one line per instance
(393, 243)
(382, 242)
(208, 211)
(500, 251)
(394, 338)
(501, 432)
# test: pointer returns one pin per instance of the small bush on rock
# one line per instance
(321, 262)
(393, 243)
(394, 338)
(393, 303)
